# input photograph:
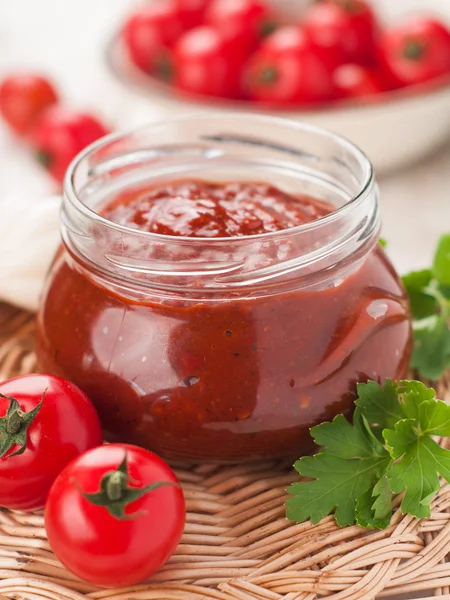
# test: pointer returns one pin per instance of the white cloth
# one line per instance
(29, 238)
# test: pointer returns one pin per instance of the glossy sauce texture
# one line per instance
(206, 209)
(242, 378)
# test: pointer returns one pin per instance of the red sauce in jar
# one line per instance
(206, 209)
(242, 378)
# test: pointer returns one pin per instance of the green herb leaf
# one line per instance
(379, 405)
(422, 303)
(374, 508)
(356, 473)
(429, 294)
(431, 353)
(382, 242)
(417, 471)
(345, 470)
(441, 262)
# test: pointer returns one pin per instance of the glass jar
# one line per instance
(223, 349)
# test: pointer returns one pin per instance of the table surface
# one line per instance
(65, 39)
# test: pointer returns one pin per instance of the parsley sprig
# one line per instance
(429, 294)
(388, 449)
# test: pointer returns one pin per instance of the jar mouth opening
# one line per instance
(365, 184)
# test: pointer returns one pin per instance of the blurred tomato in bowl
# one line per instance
(378, 78)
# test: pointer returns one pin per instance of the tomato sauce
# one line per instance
(223, 380)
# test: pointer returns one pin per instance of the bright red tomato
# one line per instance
(60, 134)
(115, 515)
(345, 29)
(150, 32)
(206, 64)
(356, 81)
(287, 69)
(23, 98)
(192, 12)
(243, 22)
(39, 440)
(417, 51)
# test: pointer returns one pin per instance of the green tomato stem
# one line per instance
(116, 483)
(14, 422)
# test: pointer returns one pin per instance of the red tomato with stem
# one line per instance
(287, 69)
(115, 515)
(60, 134)
(244, 22)
(23, 98)
(205, 63)
(356, 81)
(45, 422)
(150, 33)
(416, 51)
(345, 29)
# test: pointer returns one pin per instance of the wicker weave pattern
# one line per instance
(237, 543)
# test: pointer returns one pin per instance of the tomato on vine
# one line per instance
(60, 134)
(127, 515)
(416, 51)
(346, 29)
(23, 98)
(149, 34)
(243, 22)
(45, 422)
(287, 70)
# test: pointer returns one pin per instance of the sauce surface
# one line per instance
(207, 209)
(223, 380)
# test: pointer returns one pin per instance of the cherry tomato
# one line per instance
(115, 515)
(345, 29)
(23, 98)
(149, 34)
(243, 22)
(205, 63)
(60, 134)
(45, 423)
(417, 51)
(287, 69)
(192, 12)
(356, 81)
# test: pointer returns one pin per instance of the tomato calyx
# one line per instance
(44, 159)
(414, 49)
(267, 27)
(14, 426)
(268, 75)
(164, 69)
(350, 6)
(115, 494)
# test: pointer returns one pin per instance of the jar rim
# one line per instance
(368, 179)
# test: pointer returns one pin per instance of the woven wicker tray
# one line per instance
(237, 543)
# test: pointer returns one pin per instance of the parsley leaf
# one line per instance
(379, 405)
(350, 463)
(374, 508)
(419, 460)
(431, 353)
(388, 449)
(429, 294)
(422, 303)
(441, 262)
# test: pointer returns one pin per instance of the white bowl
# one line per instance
(394, 129)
